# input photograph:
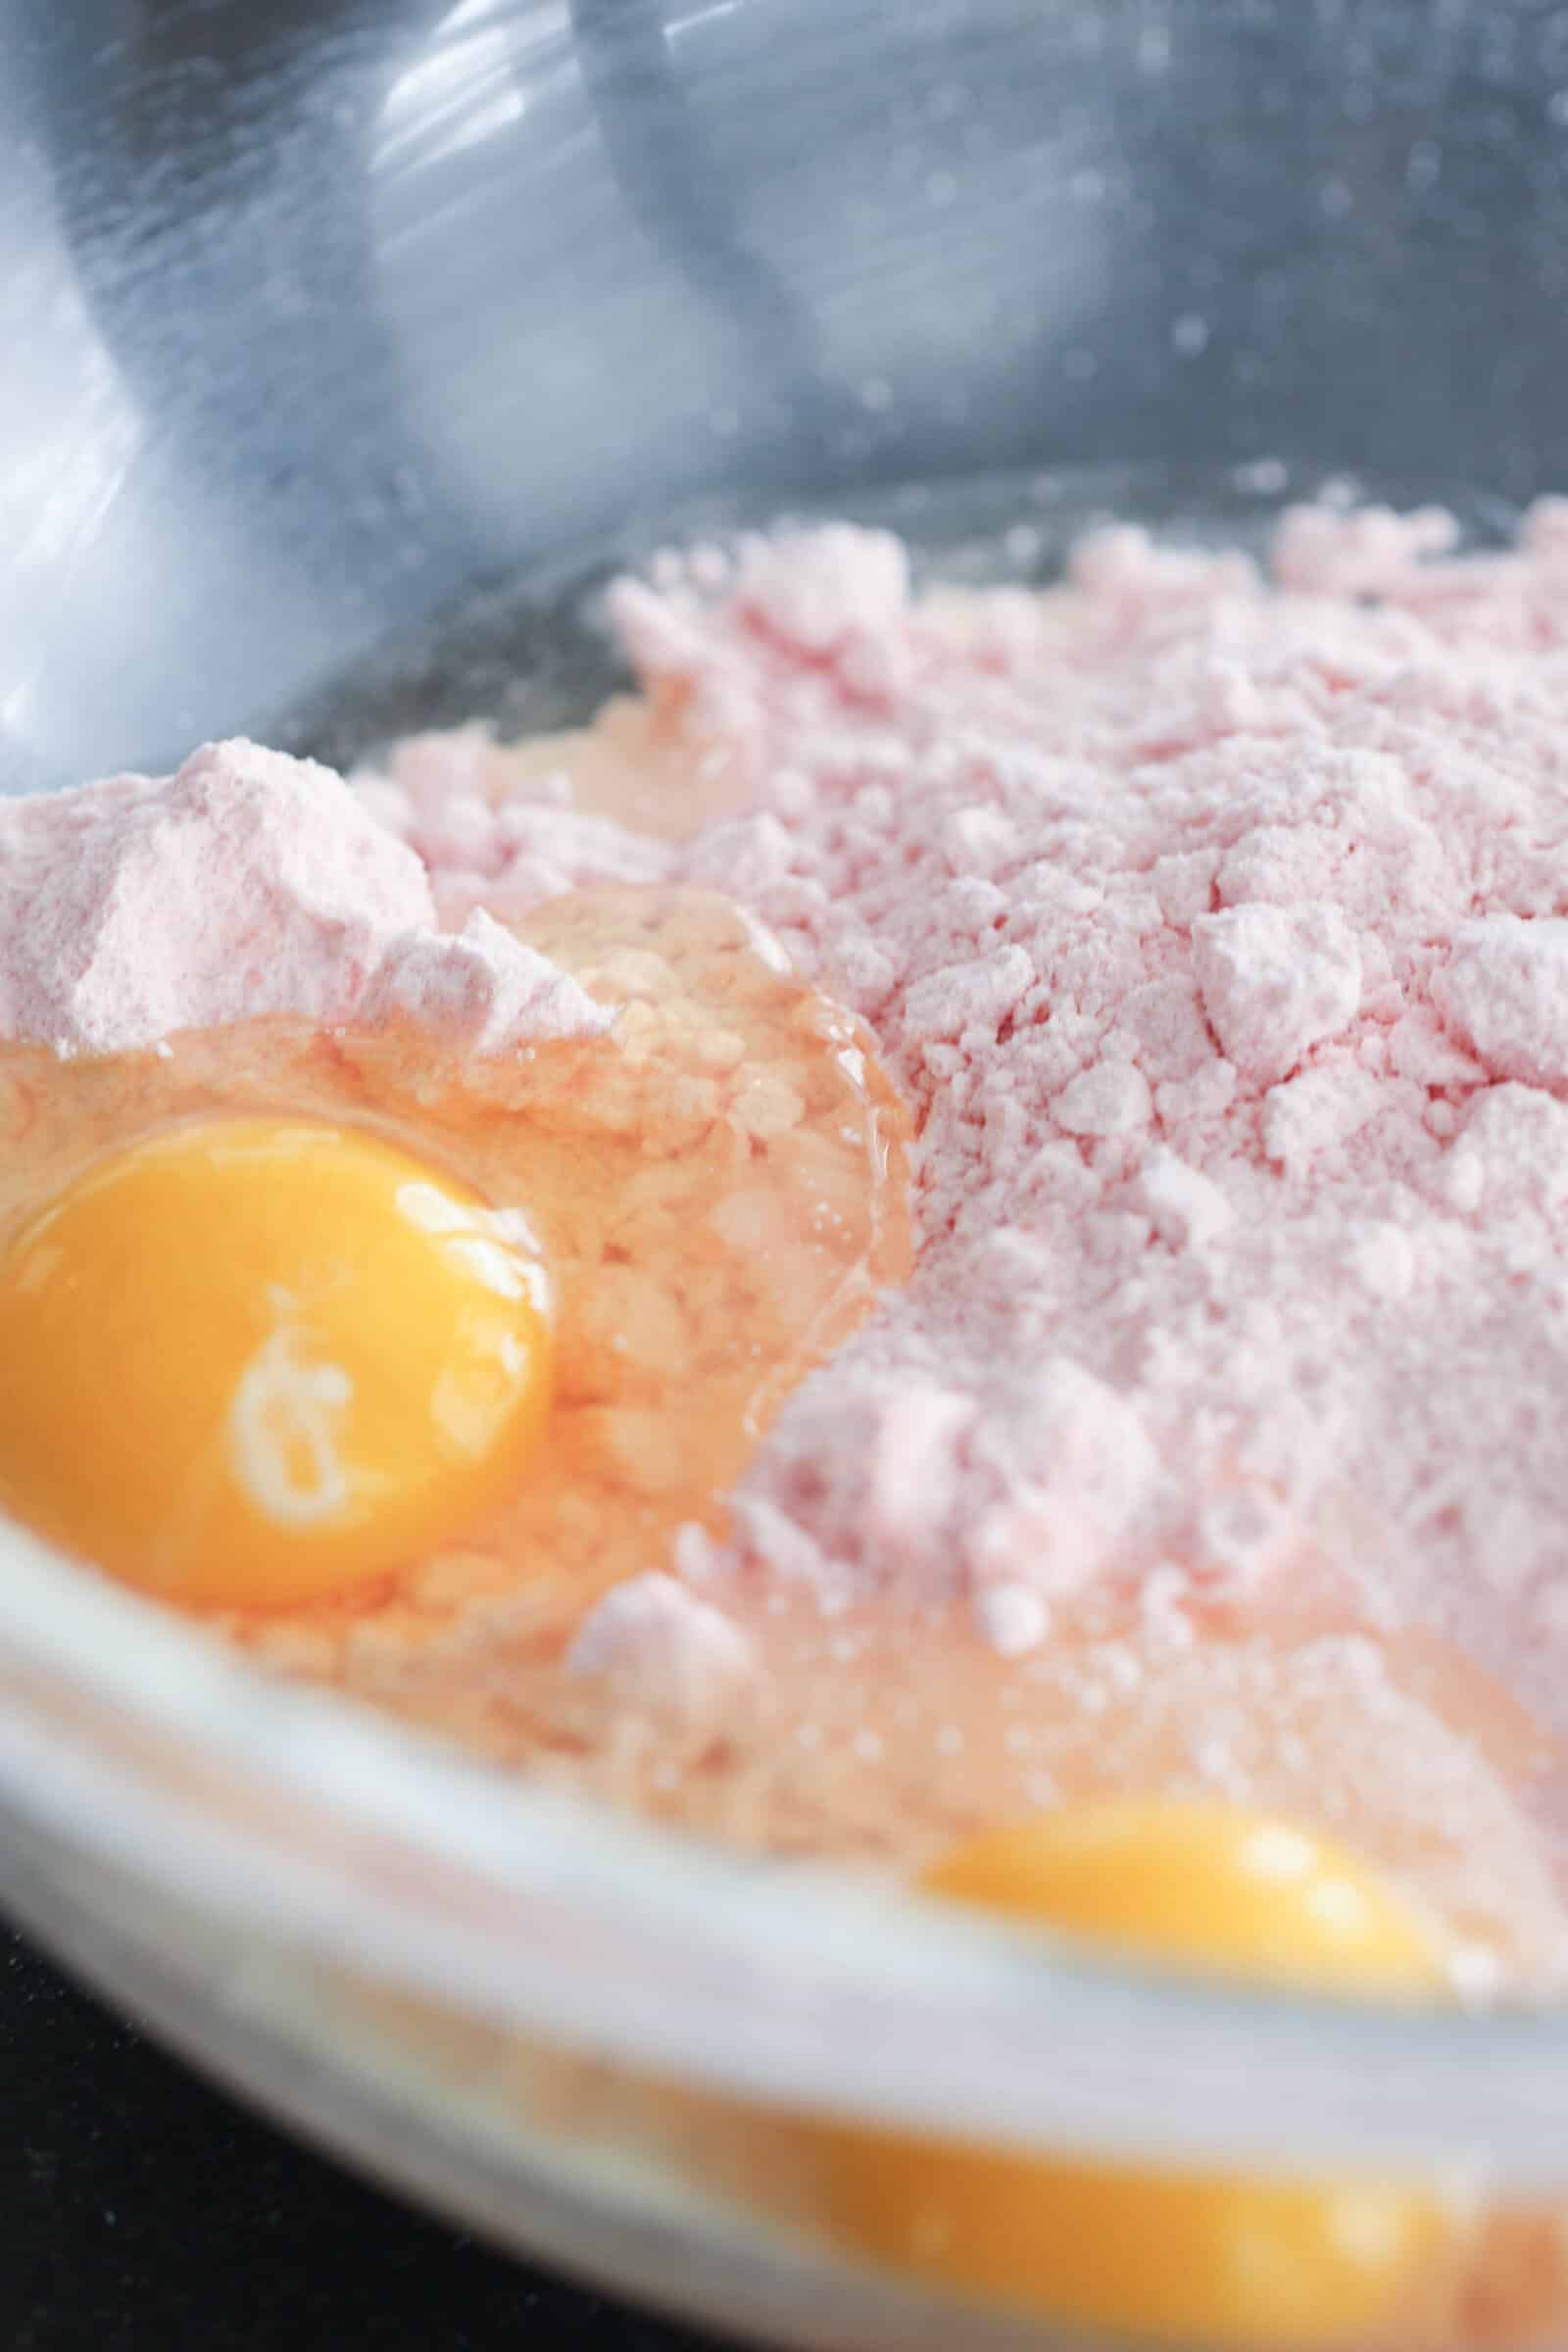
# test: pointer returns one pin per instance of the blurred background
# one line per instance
(320, 316)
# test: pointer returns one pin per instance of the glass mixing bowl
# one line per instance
(343, 344)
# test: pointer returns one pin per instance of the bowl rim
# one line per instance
(138, 1738)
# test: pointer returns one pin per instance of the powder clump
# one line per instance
(1505, 993)
(658, 1645)
(1276, 981)
(248, 883)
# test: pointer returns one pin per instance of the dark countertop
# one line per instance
(147, 2213)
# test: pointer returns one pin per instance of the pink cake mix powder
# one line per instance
(1216, 931)
(249, 883)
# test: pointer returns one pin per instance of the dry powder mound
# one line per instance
(1214, 926)
(248, 883)
(480, 987)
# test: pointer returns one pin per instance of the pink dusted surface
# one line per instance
(248, 884)
(1213, 928)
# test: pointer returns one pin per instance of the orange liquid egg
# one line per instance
(254, 1361)
(716, 1192)
(1194, 2258)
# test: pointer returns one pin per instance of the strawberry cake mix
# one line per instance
(957, 1207)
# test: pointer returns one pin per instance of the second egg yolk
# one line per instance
(1191, 2257)
(251, 1362)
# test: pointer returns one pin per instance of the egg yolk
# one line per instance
(1197, 2257)
(254, 1361)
